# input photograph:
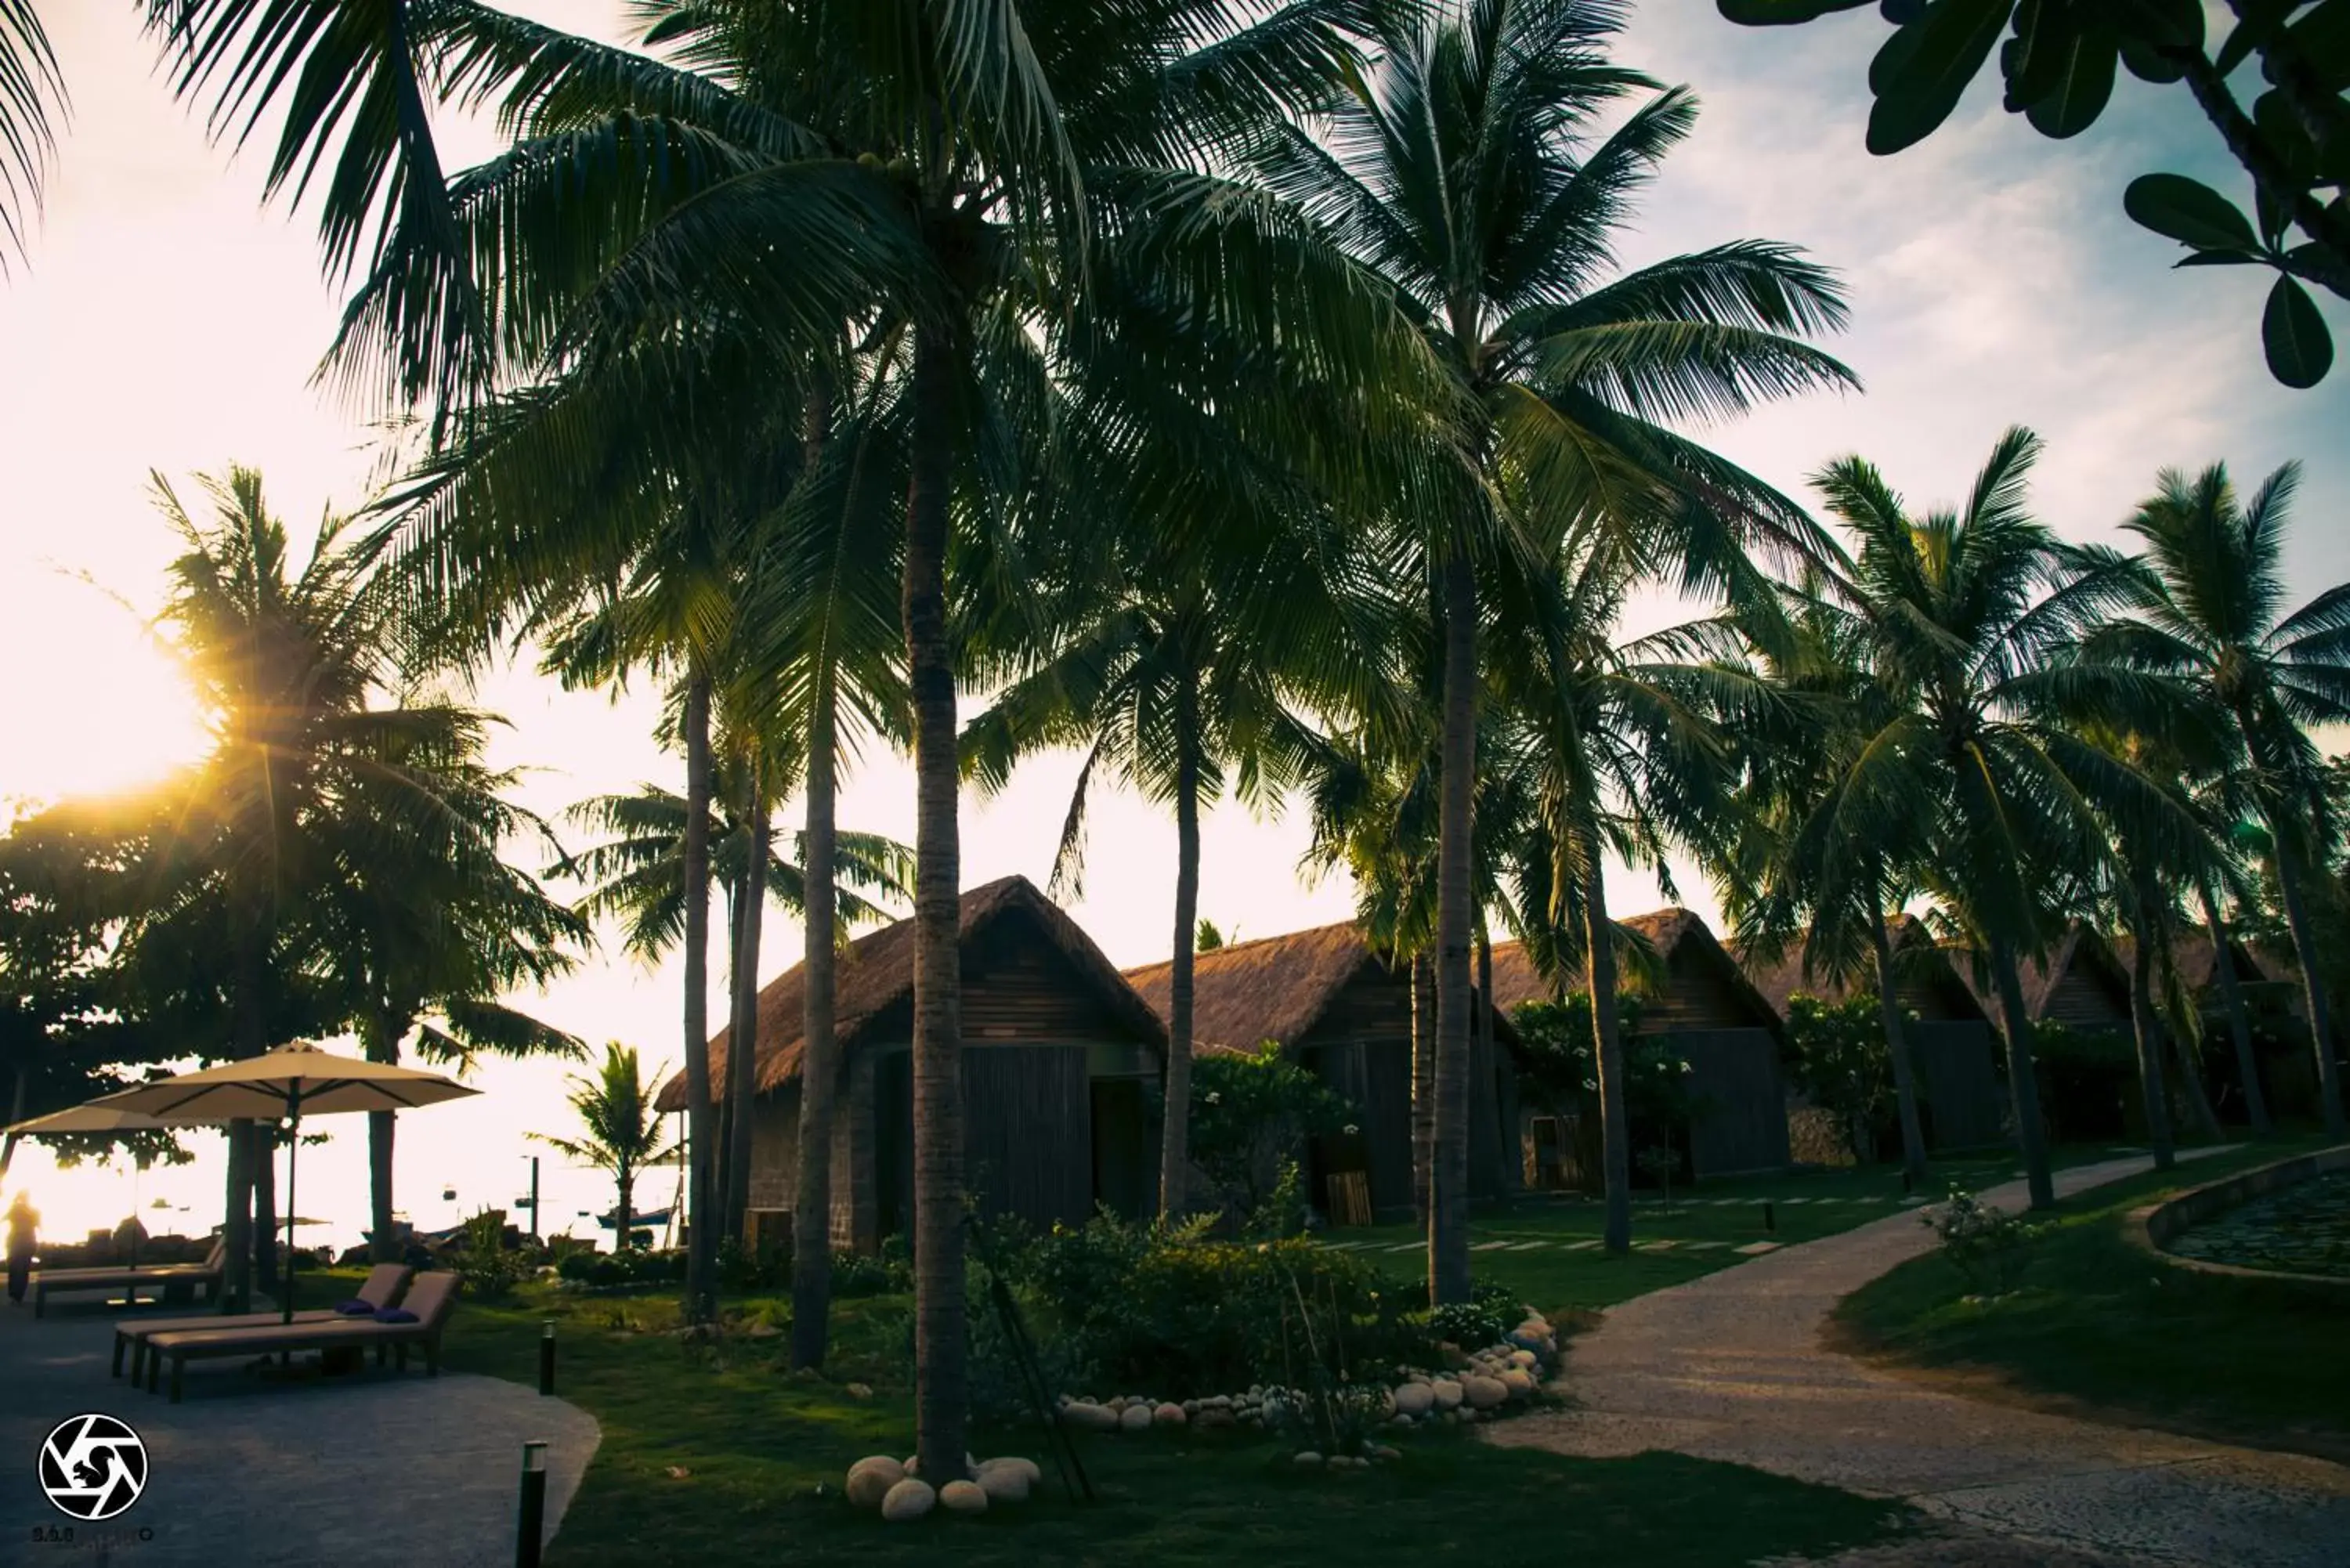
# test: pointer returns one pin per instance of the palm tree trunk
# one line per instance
(1897, 1042)
(2312, 987)
(1488, 1100)
(625, 1179)
(246, 1038)
(723, 1221)
(941, 1391)
(820, 1053)
(384, 1038)
(1607, 1049)
(2022, 1088)
(265, 1264)
(2143, 1026)
(1448, 1233)
(1423, 1089)
(742, 1059)
(702, 1240)
(2239, 1025)
(1174, 1149)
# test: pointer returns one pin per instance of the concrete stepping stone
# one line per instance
(1756, 1248)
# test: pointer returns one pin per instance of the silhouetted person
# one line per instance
(24, 1222)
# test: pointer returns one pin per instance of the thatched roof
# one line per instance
(2195, 958)
(875, 975)
(1274, 988)
(1669, 933)
(1916, 958)
(2080, 947)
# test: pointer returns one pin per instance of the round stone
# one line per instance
(1135, 1418)
(870, 1479)
(1027, 1469)
(1522, 1358)
(1308, 1459)
(1414, 1399)
(1089, 1417)
(1448, 1394)
(1170, 1416)
(964, 1497)
(1003, 1483)
(1484, 1393)
(908, 1499)
(1518, 1382)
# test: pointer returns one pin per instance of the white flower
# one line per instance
(1350, 1129)
(1214, 1097)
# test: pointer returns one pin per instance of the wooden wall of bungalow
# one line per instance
(1693, 995)
(1954, 1050)
(1059, 1060)
(1332, 1002)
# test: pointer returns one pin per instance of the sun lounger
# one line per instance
(381, 1288)
(166, 1279)
(432, 1298)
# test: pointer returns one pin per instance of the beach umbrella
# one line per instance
(287, 1083)
(97, 1116)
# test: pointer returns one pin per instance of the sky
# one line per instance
(166, 322)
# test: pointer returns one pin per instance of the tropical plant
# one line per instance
(1839, 1054)
(1625, 754)
(1251, 1114)
(2059, 67)
(620, 1130)
(1975, 779)
(1465, 169)
(2213, 614)
(30, 83)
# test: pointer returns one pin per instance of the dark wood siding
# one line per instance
(1739, 1117)
(1028, 1131)
(1932, 999)
(1361, 1047)
(1697, 994)
(1965, 1101)
(1018, 986)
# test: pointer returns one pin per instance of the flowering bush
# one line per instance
(1983, 1242)
(1250, 1113)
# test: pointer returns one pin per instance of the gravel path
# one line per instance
(349, 1472)
(1731, 1367)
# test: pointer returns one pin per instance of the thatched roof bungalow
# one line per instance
(1334, 1001)
(1693, 993)
(1951, 1043)
(1057, 1050)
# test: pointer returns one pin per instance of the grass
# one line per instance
(2097, 1327)
(711, 1453)
(1720, 1216)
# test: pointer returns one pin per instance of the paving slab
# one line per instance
(371, 1469)
(1731, 1367)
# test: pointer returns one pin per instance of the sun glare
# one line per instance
(93, 705)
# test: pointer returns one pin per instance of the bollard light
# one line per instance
(1770, 1219)
(530, 1521)
(546, 1356)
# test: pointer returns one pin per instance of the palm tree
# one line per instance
(623, 1132)
(1182, 691)
(1624, 752)
(29, 83)
(1787, 873)
(2214, 615)
(1464, 170)
(431, 924)
(1975, 779)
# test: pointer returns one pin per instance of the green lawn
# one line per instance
(715, 1455)
(2098, 1324)
(1539, 1258)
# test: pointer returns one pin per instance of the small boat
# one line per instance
(641, 1222)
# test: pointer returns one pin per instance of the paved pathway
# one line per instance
(1731, 1367)
(346, 1473)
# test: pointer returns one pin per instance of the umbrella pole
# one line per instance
(292, 1158)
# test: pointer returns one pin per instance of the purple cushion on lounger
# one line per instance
(395, 1314)
(355, 1307)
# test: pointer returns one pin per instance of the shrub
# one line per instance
(1485, 1318)
(1168, 1310)
(1985, 1243)
(486, 1267)
(888, 1273)
(1561, 1077)
(1837, 1051)
(1249, 1115)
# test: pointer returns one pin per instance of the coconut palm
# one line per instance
(30, 84)
(1785, 873)
(2214, 614)
(622, 1131)
(1624, 747)
(1976, 779)
(429, 925)
(1468, 170)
